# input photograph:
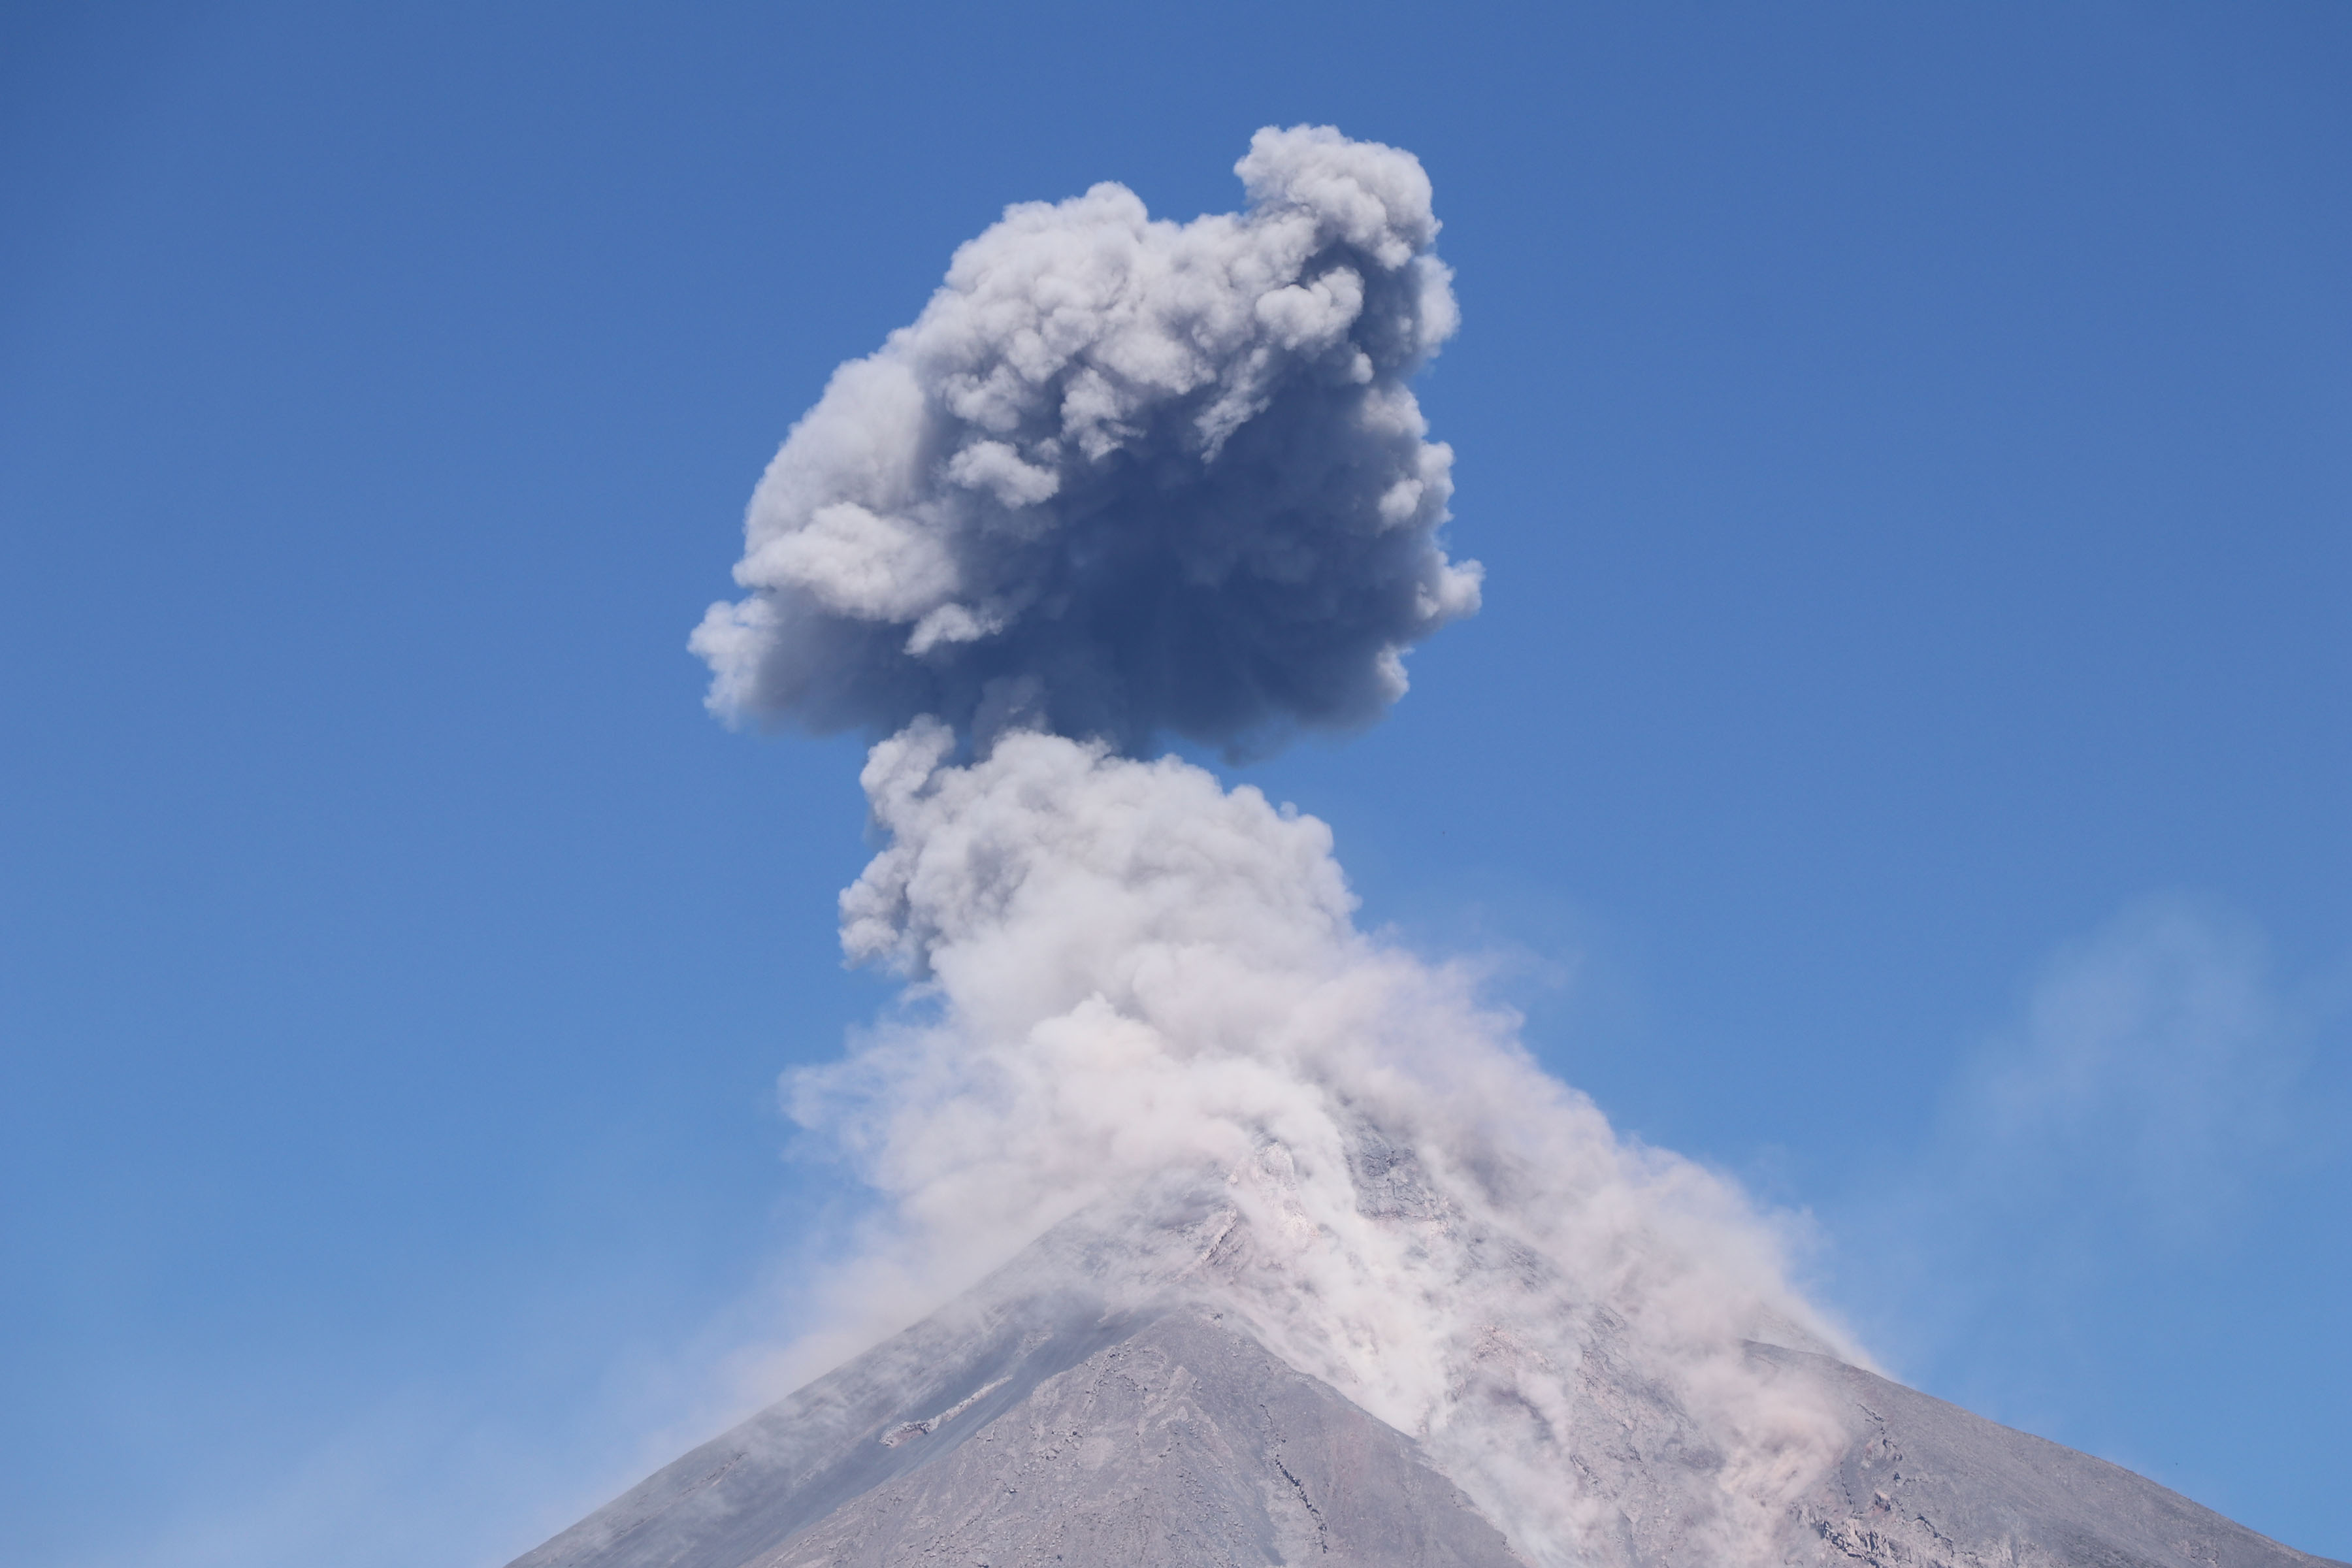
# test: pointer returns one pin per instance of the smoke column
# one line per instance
(1126, 478)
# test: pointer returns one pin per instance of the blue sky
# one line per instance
(1902, 761)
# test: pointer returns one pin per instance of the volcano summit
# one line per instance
(1328, 1268)
(1060, 1431)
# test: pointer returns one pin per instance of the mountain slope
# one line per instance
(1045, 1434)
(1038, 1430)
(1926, 1482)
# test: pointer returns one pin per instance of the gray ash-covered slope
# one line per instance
(1925, 1483)
(1047, 1433)
(1041, 1430)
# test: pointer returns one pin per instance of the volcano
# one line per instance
(1311, 1261)
(1030, 1423)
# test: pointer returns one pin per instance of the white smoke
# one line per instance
(2152, 1086)
(1149, 1006)
(1123, 477)
(2152, 1073)
(1126, 478)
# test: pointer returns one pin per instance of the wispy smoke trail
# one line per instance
(2153, 1083)
(2153, 1070)
(1125, 477)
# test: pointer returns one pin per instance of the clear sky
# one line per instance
(1903, 760)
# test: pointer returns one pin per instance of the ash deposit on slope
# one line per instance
(1310, 1260)
(1029, 1422)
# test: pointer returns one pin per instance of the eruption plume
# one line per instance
(1286, 1248)
(1126, 478)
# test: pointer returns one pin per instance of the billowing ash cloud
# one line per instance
(1142, 1008)
(1123, 477)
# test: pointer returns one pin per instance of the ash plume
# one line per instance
(1123, 478)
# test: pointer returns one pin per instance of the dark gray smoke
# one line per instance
(1123, 477)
